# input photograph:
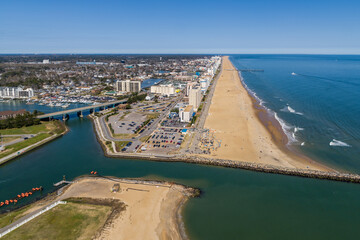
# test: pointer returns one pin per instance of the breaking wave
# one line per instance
(337, 143)
(287, 128)
(290, 110)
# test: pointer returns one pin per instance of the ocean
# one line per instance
(316, 98)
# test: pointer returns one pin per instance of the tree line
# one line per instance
(21, 120)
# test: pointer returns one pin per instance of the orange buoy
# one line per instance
(11, 200)
(91, 172)
(30, 193)
(19, 196)
(15, 201)
(95, 173)
(33, 189)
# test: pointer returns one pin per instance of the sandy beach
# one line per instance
(237, 121)
(152, 209)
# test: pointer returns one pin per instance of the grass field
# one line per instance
(145, 138)
(120, 145)
(69, 221)
(9, 139)
(8, 218)
(152, 116)
(43, 127)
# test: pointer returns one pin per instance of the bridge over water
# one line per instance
(80, 110)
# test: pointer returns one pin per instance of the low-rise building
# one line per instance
(9, 114)
(163, 89)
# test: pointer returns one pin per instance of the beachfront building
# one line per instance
(195, 97)
(163, 89)
(16, 92)
(189, 86)
(204, 84)
(128, 86)
(186, 113)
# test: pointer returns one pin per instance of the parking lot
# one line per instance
(164, 141)
(126, 124)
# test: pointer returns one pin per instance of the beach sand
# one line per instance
(151, 209)
(244, 129)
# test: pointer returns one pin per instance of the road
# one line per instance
(20, 139)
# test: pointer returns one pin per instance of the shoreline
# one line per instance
(246, 130)
(161, 201)
(273, 126)
(256, 167)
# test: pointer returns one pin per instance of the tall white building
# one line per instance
(195, 97)
(128, 86)
(189, 86)
(186, 113)
(163, 89)
(16, 92)
(204, 84)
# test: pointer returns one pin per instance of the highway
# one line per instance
(60, 113)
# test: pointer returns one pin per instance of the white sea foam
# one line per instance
(287, 129)
(337, 143)
(290, 110)
(296, 129)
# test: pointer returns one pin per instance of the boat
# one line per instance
(65, 105)
(293, 74)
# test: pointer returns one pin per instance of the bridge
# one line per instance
(66, 113)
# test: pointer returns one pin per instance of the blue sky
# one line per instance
(197, 26)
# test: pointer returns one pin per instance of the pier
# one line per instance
(65, 113)
(63, 181)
